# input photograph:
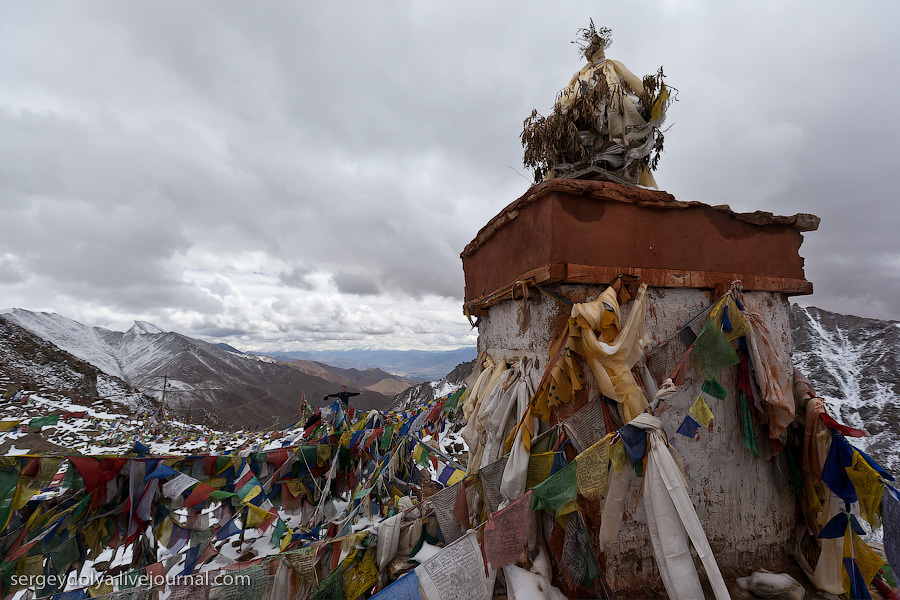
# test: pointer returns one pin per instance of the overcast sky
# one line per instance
(304, 175)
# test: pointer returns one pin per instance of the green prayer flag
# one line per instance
(7, 570)
(424, 456)
(452, 402)
(712, 352)
(279, 530)
(72, 480)
(65, 554)
(39, 422)
(222, 495)
(9, 478)
(76, 514)
(198, 537)
(128, 580)
(308, 454)
(343, 460)
(750, 439)
(555, 492)
(713, 388)
(331, 587)
(251, 585)
(248, 489)
(362, 493)
(387, 438)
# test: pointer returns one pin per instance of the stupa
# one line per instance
(595, 227)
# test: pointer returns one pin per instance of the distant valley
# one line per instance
(419, 365)
(239, 388)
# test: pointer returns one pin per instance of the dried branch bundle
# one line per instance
(578, 139)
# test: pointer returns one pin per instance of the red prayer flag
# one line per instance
(200, 493)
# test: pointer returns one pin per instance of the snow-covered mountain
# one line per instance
(425, 392)
(31, 363)
(237, 387)
(854, 364)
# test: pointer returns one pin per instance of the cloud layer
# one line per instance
(287, 175)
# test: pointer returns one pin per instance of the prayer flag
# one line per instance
(592, 467)
(891, 518)
(713, 388)
(557, 493)
(617, 456)
(504, 533)
(688, 427)
(701, 413)
(405, 588)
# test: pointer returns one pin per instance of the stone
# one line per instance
(780, 586)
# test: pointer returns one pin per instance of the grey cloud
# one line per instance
(298, 277)
(218, 333)
(372, 143)
(11, 271)
(359, 284)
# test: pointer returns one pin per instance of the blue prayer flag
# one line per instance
(227, 530)
(858, 587)
(161, 472)
(688, 427)
(834, 471)
(635, 440)
(405, 588)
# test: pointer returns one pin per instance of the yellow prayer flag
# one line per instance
(323, 454)
(869, 489)
(101, 588)
(30, 565)
(396, 494)
(163, 532)
(4, 425)
(569, 507)
(661, 100)
(296, 487)
(739, 325)
(458, 475)
(866, 559)
(256, 515)
(701, 413)
(617, 456)
(29, 485)
(253, 493)
(592, 467)
(539, 467)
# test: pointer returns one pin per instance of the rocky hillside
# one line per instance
(375, 380)
(854, 364)
(238, 388)
(425, 392)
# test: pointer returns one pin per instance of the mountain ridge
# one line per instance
(854, 365)
(421, 365)
(239, 388)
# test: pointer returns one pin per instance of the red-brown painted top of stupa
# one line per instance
(581, 231)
